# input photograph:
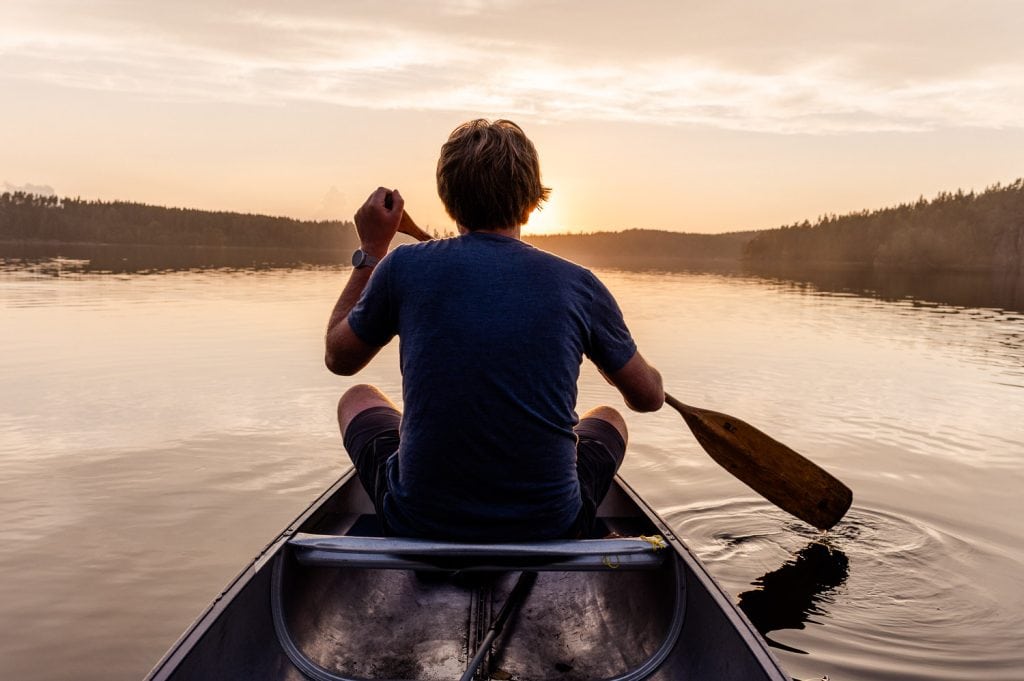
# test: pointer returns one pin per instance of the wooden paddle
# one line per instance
(790, 481)
(773, 470)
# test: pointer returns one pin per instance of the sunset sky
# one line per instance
(693, 116)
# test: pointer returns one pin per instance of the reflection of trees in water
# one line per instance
(138, 259)
(1000, 289)
(996, 289)
(787, 597)
(55, 258)
(1003, 290)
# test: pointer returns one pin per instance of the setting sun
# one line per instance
(550, 218)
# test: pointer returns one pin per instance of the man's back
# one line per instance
(492, 333)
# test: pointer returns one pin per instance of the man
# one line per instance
(492, 332)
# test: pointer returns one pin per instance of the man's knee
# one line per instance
(358, 399)
(612, 417)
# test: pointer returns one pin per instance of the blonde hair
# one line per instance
(488, 175)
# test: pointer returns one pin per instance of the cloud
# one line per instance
(38, 189)
(471, 7)
(267, 57)
(334, 206)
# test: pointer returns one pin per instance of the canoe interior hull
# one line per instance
(671, 622)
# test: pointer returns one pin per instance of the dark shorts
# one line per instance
(372, 437)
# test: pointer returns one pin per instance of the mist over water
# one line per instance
(159, 424)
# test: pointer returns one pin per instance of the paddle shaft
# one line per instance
(782, 476)
(407, 225)
(514, 600)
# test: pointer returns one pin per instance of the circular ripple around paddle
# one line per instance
(884, 592)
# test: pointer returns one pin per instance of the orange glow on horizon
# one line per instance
(549, 218)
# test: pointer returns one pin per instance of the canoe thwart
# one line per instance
(629, 553)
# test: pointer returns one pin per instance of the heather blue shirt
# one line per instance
(492, 332)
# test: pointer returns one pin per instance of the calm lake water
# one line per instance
(157, 428)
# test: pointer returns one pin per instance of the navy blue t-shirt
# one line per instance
(492, 332)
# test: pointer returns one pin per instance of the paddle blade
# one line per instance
(773, 470)
(407, 225)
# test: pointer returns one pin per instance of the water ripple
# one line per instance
(881, 586)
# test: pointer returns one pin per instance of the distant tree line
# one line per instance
(649, 245)
(953, 231)
(26, 217)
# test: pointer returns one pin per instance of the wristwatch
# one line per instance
(361, 259)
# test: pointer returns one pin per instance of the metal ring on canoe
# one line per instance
(313, 671)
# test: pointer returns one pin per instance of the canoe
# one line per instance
(331, 600)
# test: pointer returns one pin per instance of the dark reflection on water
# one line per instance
(58, 259)
(1000, 290)
(787, 597)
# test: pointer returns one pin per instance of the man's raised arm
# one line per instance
(376, 223)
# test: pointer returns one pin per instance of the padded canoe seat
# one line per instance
(626, 553)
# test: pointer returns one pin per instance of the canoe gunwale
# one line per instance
(744, 627)
(191, 636)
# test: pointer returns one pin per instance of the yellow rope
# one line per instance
(656, 541)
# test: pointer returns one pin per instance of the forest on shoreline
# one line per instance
(28, 217)
(961, 231)
(954, 231)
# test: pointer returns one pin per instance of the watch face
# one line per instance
(363, 259)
